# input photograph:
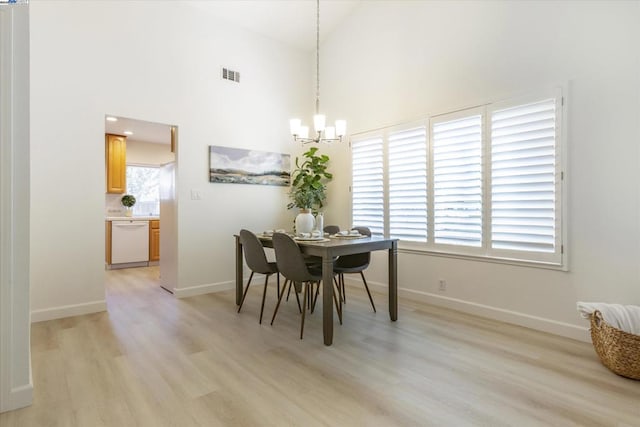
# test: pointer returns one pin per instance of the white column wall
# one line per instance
(16, 388)
(396, 61)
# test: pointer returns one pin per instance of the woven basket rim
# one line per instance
(605, 323)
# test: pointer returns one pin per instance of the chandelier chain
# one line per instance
(323, 133)
(318, 57)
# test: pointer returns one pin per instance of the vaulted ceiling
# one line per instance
(290, 21)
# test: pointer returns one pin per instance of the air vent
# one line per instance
(228, 74)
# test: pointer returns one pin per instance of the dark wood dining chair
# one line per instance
(355, 263)
(257, 262)
(292, 266)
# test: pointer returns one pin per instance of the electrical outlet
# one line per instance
(443, 285)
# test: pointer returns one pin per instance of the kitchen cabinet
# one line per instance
(107, 241)
(154, 240)
(116, 163)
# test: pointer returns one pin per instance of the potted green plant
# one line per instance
(308, 187)
(128, 201)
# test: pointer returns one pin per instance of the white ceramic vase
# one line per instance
(304, 221)
(320, 222)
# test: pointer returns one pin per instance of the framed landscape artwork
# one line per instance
(238, 166)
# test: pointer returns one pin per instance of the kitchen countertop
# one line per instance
(131, 218)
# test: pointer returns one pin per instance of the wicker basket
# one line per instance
(618, 350)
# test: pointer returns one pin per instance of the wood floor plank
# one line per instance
(154, 360)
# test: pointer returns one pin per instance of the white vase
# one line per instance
(128, 212)
(304, 221)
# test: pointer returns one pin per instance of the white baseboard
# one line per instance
(258, 280)
(18, 397)
(204, 289)
(68, 311)
(508, 316)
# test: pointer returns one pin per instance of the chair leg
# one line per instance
(304, 308)
(344, 293)
(264, 294)
(315, 298)
(338, 307)
(289, 291)
(245, 292)
(278, 282)
(278, 304)
(368, 293)
(338, 291)
(297, 297)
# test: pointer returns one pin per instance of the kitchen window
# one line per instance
(143, 182)
(480, 182)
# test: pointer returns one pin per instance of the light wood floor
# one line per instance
(153, 360)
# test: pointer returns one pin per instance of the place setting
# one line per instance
(267, 234)
(314, 236)
(349, 235)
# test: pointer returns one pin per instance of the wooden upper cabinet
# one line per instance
(116, 163)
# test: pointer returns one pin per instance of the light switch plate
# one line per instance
(195, 195)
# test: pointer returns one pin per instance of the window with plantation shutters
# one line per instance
(484, 182)
(524, 177)
(407, 165)
(367, 188)
(457, 180)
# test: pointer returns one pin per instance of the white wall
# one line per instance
(392, 61)
(169, 72)
(395, 61)
(16, 387)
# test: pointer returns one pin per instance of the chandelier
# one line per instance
(323, 133)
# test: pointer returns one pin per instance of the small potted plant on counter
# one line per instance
(128, 201)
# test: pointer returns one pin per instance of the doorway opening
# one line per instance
(140, 202)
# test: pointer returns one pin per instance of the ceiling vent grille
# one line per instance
(228, 74)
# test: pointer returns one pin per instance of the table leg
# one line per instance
(327, 298)
(239, 268)
(393, 281)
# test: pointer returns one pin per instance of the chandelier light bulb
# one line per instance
(330, 132)
(303, 132)
(319, 121)
(294, 125)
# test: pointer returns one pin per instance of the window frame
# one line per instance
(555, 258)
(558, 260)
(386, 134)
(449, 248)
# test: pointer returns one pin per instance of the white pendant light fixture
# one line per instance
(323, 133)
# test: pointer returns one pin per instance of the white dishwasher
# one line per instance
(129, 241)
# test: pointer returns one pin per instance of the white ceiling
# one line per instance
(142, 131)
(289, 21)
(292, 22)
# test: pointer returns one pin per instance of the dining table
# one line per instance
(328, 248)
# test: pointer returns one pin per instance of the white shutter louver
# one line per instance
(408, 184)
(368, 185)
(457, 181)
(523, 177)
